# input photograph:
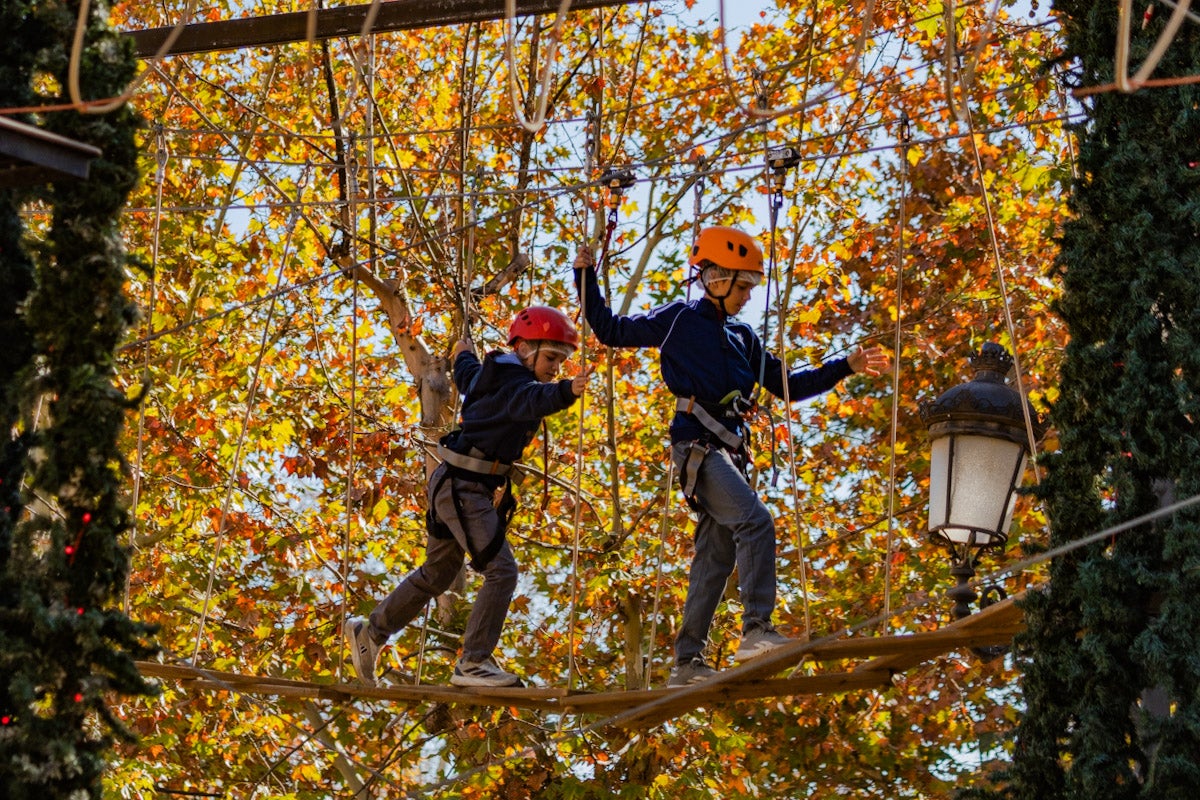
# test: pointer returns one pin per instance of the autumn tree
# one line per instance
(321, 234)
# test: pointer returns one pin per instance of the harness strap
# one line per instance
(440, 530)
(473, 463)
(690, 405)
(690, 472)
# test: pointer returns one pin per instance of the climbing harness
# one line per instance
(470, 466)
(732, 405)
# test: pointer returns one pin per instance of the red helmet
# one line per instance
(728, 248)
(542, 323)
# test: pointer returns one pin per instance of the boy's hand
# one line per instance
(585, 259)
(579, 382)
(462, 346)
(871, 361)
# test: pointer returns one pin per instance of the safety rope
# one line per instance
(468, 198)
(592, 136)
(663, 527)
(697, 207)
(778, 172)
(762, 111)
(543, 101)
(1125, 13)
(160, 157)
(1031, 437)
(350, 221)
(897, 351)
(104, 106)
(251, 395)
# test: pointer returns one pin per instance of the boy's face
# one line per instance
(545, 361)
(739, 293)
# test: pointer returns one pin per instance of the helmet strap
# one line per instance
(720, 298)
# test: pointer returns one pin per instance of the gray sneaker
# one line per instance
(690, 672)
(758, 642)
(482, 673)
(363, 650)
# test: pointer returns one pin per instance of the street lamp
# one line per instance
(978, 448)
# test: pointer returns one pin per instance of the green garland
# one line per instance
(1121, 620)
(63, 644)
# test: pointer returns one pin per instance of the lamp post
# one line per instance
(978, 449)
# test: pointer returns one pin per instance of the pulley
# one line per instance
(779, 161)
(617, 181)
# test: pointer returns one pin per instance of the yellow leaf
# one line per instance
(381, 509)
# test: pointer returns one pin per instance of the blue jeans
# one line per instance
(733, 528)
(443, 560)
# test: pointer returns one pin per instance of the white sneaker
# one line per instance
(758, 642)
(695, 671)
(482, 673)
(363, 650)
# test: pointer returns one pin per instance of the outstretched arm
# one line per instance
(640, 330)
(868, 361)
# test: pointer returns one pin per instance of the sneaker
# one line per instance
(363, 650)
(482, 673)
(695, 671)
(758, 642)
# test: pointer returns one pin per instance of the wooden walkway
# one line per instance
(849, 663)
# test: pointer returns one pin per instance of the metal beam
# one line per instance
(31, 155)
(332, 23)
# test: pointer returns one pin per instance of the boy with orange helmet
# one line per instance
(712, 363)
(505, 398)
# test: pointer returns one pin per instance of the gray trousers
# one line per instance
(444, 558)
(733, 527)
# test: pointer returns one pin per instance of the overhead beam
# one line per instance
(31, 155)
(333, 23)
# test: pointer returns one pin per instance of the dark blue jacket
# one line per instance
(703, 354)
(503, 404)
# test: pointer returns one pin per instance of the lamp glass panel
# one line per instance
(979, 483)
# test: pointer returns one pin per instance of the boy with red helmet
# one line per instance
(505, 398)
(712, 363)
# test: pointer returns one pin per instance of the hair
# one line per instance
(537, 345)
(710, 272)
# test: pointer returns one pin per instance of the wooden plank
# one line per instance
(994, 625)
(331, 23)
(613, 702)
(943, 640)
(990, 618)
(282, 687)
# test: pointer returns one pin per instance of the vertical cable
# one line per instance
(251, 395)
(160, 156)
(664, 526)
(897, 345)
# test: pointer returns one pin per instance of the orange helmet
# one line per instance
(728, 248)
(542, 323)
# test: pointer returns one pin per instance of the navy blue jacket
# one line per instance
(503, 404)
(703, 354)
